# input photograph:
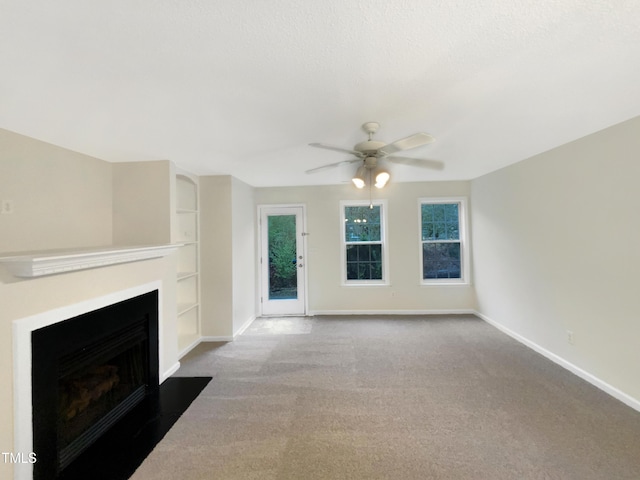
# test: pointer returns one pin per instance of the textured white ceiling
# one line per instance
(241, 87)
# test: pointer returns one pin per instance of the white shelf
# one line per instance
(185, 275)
(186, 232)
(186, 307)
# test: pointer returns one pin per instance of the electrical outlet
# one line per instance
(6, 207)
(570, 337)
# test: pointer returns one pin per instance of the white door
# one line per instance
(282, 261)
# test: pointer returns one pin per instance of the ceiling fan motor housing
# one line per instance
(370, 162)
(369, 147)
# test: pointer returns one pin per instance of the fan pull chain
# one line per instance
(370, 199)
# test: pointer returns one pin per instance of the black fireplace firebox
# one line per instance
(87, 373)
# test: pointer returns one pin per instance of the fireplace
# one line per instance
(87, 373)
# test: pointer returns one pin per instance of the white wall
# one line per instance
(326, 294)
(555, 242)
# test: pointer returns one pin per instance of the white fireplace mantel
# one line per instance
(48, 263)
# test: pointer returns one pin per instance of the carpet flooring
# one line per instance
(446, 397)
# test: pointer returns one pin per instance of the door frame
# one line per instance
(305, 278)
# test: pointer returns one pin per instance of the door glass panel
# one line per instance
(283, 273)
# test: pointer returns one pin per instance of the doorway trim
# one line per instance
(305, 276)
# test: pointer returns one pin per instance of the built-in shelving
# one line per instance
(188, 275)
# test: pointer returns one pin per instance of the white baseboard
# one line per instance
(174, 368)
(244, 326)
(216, 339)
(201, 340)
(392, 312)
(222, 338)
(592, 379)
(189, 347)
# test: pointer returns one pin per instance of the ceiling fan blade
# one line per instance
(331, 165)
(412, 141)
(417, 162)
(337, 149)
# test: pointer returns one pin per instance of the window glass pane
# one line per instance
(362, 224)
(366, 264)
(376, 271)
(440, 221)
(364, 271)
(364, 253)
(376, 253)
(438, 212)
(352, 270)
(452, 231)
(441, 260)
(427, 213)
(451, 212)
(428, 232)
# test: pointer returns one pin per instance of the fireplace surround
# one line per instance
(95, 289)
(87, 372)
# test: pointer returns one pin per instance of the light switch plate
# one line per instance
(6, 207)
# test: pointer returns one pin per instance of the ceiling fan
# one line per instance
(370, 151)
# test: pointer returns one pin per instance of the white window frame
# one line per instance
(383, 240)
(464, 244)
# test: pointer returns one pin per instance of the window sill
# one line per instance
(442, 282)
(365, 284)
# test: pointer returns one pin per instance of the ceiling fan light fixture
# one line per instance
(371, 151)
(358, 178)
(382, 177)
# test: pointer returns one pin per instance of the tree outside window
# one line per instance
(363, 238)
(442, 248)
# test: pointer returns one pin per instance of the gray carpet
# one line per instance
(391, 398)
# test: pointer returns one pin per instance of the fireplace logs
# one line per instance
(78, 392)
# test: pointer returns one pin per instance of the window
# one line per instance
(363, 237)
(443, 246)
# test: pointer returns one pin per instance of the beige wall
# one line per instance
(216, 250)
(228, 225)
(62, 199)
(244, 254)
(555, 242)
(142, 201)
(405, 293)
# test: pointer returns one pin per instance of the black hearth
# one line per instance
(88, 372)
